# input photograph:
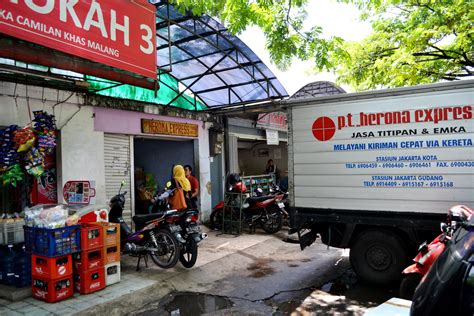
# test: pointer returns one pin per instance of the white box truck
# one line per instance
(377, 171)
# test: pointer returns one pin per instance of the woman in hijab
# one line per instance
(180, 181)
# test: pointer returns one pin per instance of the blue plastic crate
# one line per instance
(53, 242)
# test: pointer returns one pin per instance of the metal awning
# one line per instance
(214, 65)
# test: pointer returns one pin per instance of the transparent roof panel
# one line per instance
(216, 66)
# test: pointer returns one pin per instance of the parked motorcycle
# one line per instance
(448, 287)
(153, 236)
(185, 228)
(428, 253)
(266, 210)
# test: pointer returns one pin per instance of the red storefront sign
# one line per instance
(118, 33)
(275, 120)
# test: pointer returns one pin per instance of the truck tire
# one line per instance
(378, 256)
(408, 285)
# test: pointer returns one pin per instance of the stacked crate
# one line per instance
(51, 261)
(15, 263)
(89, 273)
(111, 252)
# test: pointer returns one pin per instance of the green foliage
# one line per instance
(281, 22)
(412, 42)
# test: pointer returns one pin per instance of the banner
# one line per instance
(117, 33)
(169, 128)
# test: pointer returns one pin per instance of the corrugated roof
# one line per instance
(216, 66)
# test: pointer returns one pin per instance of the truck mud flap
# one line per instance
(306, 237)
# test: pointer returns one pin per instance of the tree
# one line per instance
(414, 41)
(281, 22)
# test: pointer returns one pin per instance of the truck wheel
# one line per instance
(378, 256)
(408, 285)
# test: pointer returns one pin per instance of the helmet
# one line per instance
(459, 213)
(232, 180)
(240, 187)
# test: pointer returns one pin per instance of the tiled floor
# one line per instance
(31, 306)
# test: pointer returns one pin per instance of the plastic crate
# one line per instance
(88, 259)
(111, 233)
(51, 290)
(112, 273)
(111, 254)
(89, 281)
(51, 268)
(12, 233)
(91, 236)
(53, 242)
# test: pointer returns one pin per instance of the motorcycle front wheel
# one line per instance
(408, 285)
(216, 219)
(272, 220)
(189, 253)
(168, 248)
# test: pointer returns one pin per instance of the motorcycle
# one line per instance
(448, 287)
(428, 253)
(265, 210)
(185, 227)
(153, 236)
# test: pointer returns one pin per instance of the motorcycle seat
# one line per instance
(256, 199)
(141, 219)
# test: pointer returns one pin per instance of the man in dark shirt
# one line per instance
(194, 185)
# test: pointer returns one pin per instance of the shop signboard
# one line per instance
(169, 128)
(117, 33)
(272, 137)
(79, 192)
(274, 121)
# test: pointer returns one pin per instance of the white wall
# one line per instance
(81, 154)
(205, 173)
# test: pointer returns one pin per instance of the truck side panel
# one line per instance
(408, 153)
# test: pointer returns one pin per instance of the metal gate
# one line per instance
(118, 169)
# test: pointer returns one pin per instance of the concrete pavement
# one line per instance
(248, 268)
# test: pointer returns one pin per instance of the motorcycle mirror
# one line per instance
(121, 185)
(444, 227)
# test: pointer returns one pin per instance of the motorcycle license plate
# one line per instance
(281, 205)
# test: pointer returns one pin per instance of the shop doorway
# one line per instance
(153, 163)
(253, 156)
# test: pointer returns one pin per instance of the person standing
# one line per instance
(194, 186)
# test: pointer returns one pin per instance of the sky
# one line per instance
(335, 18)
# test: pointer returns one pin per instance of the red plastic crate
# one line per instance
(52, 290)
(89, 281)
(111, 233)
(111, 254)
(91, 236)
(88, 259)
(51, 268)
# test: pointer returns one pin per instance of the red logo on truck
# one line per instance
(324, 128)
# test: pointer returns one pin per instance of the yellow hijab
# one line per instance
(179, 176)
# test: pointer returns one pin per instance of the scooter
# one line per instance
(184, 226)
(266, 211)
(153, 236)
(428, 253)
(448, 288)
